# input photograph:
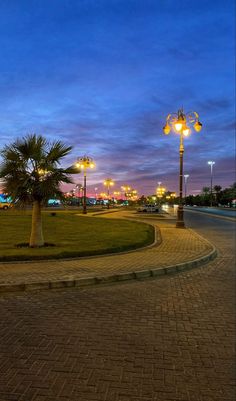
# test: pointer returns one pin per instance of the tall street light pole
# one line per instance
(186, 176)
(108, 183)
(211, 164)
(83, 163)
(160, 192)
(179, 123)
(125, 188)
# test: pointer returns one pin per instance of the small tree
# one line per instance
(32, 174)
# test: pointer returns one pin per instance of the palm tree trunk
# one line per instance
(36, 237)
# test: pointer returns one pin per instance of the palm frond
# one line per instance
(30, 171)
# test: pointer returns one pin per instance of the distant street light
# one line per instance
(186, 176)
(160, 192)
(83, 163)
(116, 193)
(211, 164)
(125, 189)
(108, 183)
(131, 195)
(179, 123)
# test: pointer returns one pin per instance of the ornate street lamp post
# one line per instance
(125, 189)
(160, 192)
(108, 182)
(211, 164)
(83, 163)
(179, 123)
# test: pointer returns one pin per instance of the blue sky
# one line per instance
(102, 75)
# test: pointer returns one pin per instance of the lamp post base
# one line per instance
(180, 217)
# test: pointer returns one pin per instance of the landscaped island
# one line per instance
(70, 235)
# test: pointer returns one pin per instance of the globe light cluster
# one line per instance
(85, 162)
(180, 122)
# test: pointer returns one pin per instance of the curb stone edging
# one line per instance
(89, 281)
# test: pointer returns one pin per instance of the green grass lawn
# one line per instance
(72, 235)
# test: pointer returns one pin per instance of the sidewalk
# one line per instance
(174, 250)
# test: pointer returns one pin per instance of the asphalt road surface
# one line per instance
(220, 212)
(161, 339)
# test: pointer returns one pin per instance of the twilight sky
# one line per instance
(102, 75)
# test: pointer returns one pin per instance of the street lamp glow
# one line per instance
(178, 126)
(167, 129)
(197, 126)
(108, 182)
(160, 191)
(186, 131)
(180, 122)
(125, 188)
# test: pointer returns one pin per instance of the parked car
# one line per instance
(148, 208)
(5, 205)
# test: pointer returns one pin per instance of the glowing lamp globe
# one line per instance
(186, 131)
(166, 129)
(178, 126)
(197, 126)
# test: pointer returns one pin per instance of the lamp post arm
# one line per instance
(193, 116)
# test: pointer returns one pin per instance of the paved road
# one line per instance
(166, 339)
(211, 210)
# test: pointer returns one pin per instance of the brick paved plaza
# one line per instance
(166, 339)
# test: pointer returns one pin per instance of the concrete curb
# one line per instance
(89, 281)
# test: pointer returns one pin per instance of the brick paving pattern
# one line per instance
(151, 340)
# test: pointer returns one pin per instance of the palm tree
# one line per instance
(32, 174)
(217, 190)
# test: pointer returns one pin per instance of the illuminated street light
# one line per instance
(83, 163)
(125, 189)
(211, 164)
(132, 194)
(160, 192)
(186, 176)
(108, 182)
(179, 122)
